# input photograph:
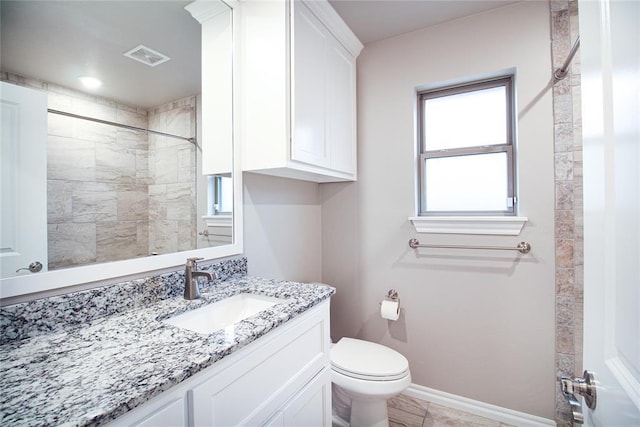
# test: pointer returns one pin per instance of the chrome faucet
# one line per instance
(191, 290)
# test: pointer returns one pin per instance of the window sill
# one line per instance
(489, 225)
(218, 220)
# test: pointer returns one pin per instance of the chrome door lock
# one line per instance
(585, 387)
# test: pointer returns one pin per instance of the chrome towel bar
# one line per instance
(523, 247)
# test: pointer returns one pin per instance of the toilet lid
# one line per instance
(363, 359)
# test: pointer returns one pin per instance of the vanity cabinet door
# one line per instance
(251, 390)
(312, 405)
(167, 409)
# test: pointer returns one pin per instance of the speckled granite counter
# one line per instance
(90, 373)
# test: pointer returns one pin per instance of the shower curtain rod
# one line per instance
(106, 122)
(561, 72)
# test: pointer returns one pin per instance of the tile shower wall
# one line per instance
(172, 167)
(115, 193)
(568, 206)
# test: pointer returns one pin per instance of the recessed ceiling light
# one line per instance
(90, 82)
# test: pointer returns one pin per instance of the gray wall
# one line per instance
(475, 324)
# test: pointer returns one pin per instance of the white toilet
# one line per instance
(366, 374)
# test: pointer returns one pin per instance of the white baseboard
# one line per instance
(493, 412)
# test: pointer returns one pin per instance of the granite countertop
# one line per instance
(91, 373)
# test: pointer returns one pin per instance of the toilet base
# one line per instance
(369, 413)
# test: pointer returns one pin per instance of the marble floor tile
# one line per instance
(441, 416)
(406, 411)
(409, 404)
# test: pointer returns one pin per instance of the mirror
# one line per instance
(121, 201)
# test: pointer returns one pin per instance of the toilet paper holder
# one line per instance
(392, 295)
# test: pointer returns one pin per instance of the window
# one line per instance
(466, 135)
(220, 194)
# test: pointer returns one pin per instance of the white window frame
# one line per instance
(506, 81)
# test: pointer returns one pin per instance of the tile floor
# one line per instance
(405, 411)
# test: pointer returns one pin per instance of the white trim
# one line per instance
(490, 225)
(486, 410)
(203, 10)
(334, 23)
(218, 220)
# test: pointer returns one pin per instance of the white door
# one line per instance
(610, 55)
(23, 179)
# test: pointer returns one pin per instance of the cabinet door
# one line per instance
(168, 409)
(341, 114)
(312, 405)
(309, 55)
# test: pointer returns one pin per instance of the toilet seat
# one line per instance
(368, 361)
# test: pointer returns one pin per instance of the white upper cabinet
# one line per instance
(299, 91)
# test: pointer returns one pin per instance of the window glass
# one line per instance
(467, 183)
(467, 119)
(466, 138)
(220, 194)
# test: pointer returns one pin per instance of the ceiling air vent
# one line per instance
(147, 56)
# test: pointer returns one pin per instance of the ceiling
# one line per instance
(374, 20)
(59, 41)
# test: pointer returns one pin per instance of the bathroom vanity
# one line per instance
(107, 356)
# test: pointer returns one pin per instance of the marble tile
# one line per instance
(59, 201)
(186, 158)
(142, 167)
(132, 118)
(115, 164)
(94, 201)
(565, 280)
(441, 416)
(90, 108)
(70, 159)
(132, 139)
(58, 125)
(564, 195)
(166, 166)
(163, 236)
(58, 101)
(565, 336)
(409, 404)
(71, 244)
(94, 132)
(398, 418)
(179, 201)
(563, 137)
(565, 310)
(564, 166)
(157, 121)
(116, 240)
(180, 122)
(133, 203)
(564, 253)
(157, 201)
(142, 237)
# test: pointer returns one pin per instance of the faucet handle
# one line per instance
(192, 261)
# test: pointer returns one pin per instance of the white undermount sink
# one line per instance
(220, 314)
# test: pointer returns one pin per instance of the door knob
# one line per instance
(585, 387)
(34, 267)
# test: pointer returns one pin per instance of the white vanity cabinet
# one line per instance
(281, 379)
(299, 91)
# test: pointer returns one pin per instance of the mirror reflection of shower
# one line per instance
(118, 193)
